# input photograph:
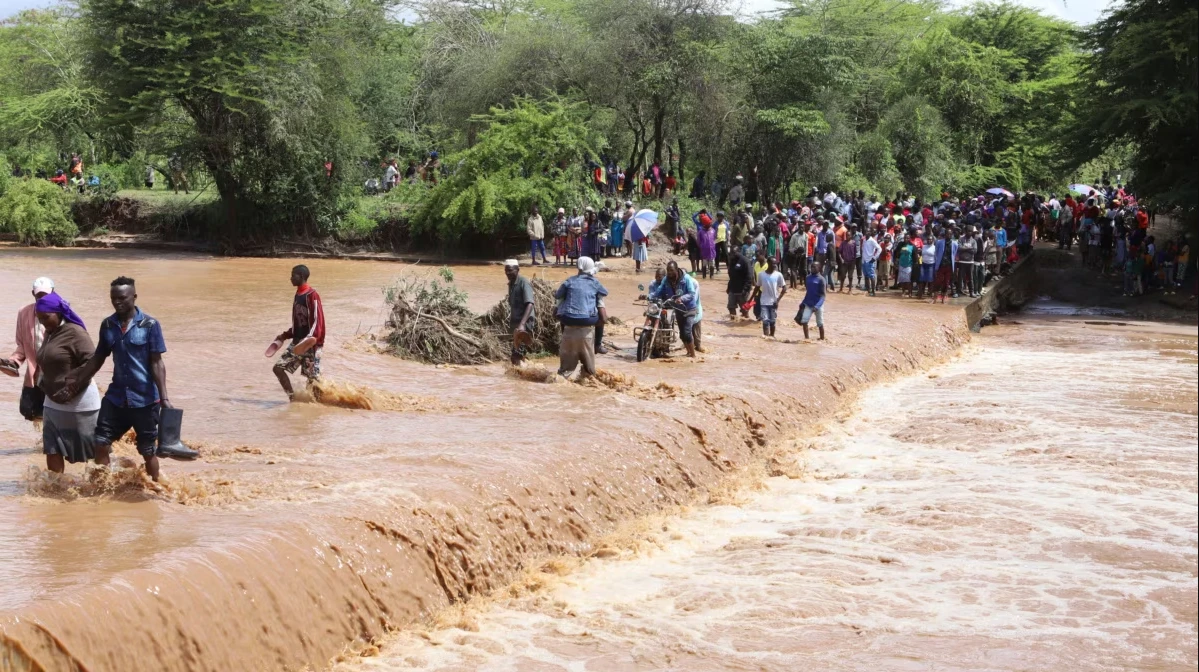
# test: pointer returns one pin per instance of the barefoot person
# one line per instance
(307, 334)
(813, 301)
(520, 306)
(69, 418)
(773, 286)
(138, 390)
(30, 334)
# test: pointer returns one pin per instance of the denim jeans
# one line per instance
(770, 315)
(535, 246)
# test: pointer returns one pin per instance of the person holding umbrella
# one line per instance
(642, 223)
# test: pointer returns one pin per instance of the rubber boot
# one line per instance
(599, 339)
(170, 427)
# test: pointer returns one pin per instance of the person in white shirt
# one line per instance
(871, 251)
(771, 287)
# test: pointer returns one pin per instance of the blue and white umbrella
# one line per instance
(1000, 191)
(644, 222)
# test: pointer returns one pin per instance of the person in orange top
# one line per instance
(671, 182)
(29, 337)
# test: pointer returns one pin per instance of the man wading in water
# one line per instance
(580, 308)
(307, 334)
(138, 390)
(520, 306)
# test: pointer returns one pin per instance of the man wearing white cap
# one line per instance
(520, 305)
(30, 334)
(580, 309)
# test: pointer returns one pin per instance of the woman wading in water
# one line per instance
(68, 425)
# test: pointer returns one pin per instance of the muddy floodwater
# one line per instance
(1029, 505)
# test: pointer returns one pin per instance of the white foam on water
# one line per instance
(1031, 505)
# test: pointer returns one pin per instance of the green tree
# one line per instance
(920, 141)
(265, 84)
(1142, 87)
(38, 212)
(529, 153)
(47, 96)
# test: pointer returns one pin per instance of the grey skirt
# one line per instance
(72, 435)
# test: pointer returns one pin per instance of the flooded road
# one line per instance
(1028, 506)
(303, 528)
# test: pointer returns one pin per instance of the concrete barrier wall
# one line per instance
(1013, 290)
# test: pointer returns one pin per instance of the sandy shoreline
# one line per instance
(338, 543)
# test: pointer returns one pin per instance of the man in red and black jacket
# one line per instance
(307, 334)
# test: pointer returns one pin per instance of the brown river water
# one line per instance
(1029, 505)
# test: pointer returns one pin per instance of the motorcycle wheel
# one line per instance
(645, 345)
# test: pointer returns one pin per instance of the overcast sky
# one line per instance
(1079, 11)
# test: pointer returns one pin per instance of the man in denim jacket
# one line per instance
(580, 309)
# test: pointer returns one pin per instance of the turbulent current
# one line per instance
(1028, 506)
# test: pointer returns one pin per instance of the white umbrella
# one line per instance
(645, 221)
(1082, 189)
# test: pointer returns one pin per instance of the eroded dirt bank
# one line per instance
(305, 528)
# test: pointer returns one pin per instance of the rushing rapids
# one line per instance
(305, 527)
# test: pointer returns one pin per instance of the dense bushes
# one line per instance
(38, 212)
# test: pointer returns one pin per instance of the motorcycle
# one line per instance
(658, 335)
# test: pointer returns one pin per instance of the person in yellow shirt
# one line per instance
(722, 240)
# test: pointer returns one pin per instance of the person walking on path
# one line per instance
(580, 307)
(773, 287)
(29, 337)
(138, 390)
(520, 305)
(740, 283)
(813, 301)
(69, 415)
(535, 227)
(706, 236)
(307, 334)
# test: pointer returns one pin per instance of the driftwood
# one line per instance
(429, 322)
(401, 304)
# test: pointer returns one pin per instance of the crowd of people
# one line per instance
(1113, 236)
(825, 243)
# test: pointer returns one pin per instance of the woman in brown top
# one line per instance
(68, 423)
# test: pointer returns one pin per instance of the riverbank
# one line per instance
(306, 528)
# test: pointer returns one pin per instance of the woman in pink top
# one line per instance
(30, 335)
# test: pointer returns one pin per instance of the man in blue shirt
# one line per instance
(139, 376)
(684, 291)
(813, 301)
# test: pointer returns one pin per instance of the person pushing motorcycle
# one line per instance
(682, 292)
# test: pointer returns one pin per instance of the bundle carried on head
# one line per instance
(430, 322)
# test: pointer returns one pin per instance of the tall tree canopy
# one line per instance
(1142, 74)
(286, 108)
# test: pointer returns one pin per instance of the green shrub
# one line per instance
(38, 211)
(5, 174)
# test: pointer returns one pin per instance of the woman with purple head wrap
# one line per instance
(68, 422)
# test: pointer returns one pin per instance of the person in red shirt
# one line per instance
(307, 334)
